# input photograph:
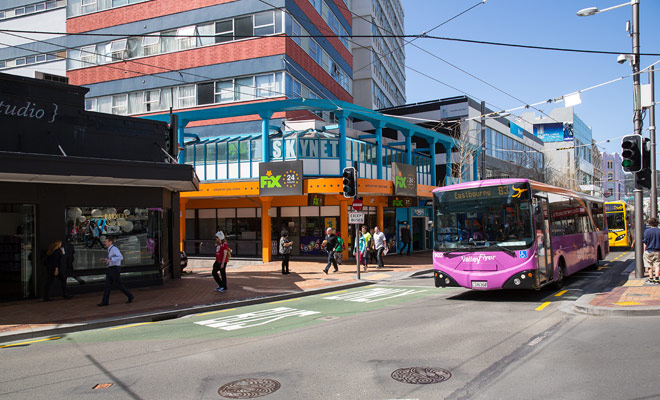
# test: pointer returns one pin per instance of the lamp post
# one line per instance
(637, 118)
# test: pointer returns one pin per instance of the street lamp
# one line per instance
(637, 118)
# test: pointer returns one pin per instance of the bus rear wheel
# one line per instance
(559, 283)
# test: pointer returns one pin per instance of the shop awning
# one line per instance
(40, 168)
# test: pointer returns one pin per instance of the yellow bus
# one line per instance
(619, 223)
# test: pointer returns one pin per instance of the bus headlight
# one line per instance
(620, 237)
(516, 282)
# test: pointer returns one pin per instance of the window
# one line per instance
(51, 4)
(224, 91)
(315, 51)
(118, 49)
(186, 37)
(205, 33)
(20, 61)
(186, 96)
(40, 58)
(30, 59)
(244, 89)
(150, 45)
(224, 31)
(40, 7)
(265, 86)
(610, 165)
(152, 100)
(296, 89)
(120, 104)
(88, 6)
(90, 104)
(88, 55)
(610, 177)
(243, 28)
(2, 14)
(29, 9)
(295, 32)
(264, 23)
(19, 11)
(205, 93)
(168, 41)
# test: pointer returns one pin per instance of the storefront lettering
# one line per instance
(307, 148)
(270, 180)
(28, 110)
(400, 181)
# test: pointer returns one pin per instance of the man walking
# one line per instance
(652, 251)
(113, 272)
(405, 238)
(330, 244)
(379, 244)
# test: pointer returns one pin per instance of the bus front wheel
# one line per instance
(559, 283)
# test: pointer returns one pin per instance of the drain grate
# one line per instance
(102, 386)
(421, 375)
(248, 388)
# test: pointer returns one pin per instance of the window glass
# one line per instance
(186, 37)
(21, 11)
(186, 96)
(205, 33)
(29, 9)
(90, 104)
(120, 104)
(137, 233)
(224, 31)
(168, 41)
(135, 103)
(255, 149)
(244, 89)
(205, 93)
(264, 23)
(151, 45)
(152, 100)
(224, 91)
(88, 55)
(105, 104)
(134, 47)
(243, 27)
(265, 85)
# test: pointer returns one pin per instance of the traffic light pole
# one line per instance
(637, 117)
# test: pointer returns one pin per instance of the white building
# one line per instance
(379, 75)
(30, 54)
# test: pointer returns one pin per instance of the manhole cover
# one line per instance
(421, 375)
(248, 388)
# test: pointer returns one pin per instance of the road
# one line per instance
(352, 344)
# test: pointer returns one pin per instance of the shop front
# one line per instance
(79, 176)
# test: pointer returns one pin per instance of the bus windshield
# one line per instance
(486, 217)
(615, 220)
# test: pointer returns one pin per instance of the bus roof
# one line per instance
(509, 181)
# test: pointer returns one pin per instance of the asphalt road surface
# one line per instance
(402, 340)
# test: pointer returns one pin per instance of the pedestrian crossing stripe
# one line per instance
(374, 295)
(256, 318)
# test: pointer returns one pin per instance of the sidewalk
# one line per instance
(631, 297)
(249, 282)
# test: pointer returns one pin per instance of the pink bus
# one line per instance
(514, 234)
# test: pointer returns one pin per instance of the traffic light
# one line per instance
(172, 138)
(350, 182)
(643, 177)
(631, 147)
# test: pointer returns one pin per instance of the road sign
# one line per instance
(357, 204)
(355, 218)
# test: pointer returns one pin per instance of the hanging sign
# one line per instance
(284, 178)
(405, 179)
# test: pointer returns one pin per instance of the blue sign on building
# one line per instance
(555, 132)
(516, 130)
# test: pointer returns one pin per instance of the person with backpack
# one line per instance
(339, 250)
(285, 251)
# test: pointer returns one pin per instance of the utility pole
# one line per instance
(654, 174)
(637, 118)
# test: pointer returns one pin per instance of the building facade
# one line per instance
(614, 186)
(568, 148)
(502, 149)
(379, 77)
(33, 55)
(70, 174)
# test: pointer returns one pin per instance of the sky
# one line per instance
(533, 75)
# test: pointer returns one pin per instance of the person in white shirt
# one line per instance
(379, 243)
(113, 273)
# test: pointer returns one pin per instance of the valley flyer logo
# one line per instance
(280, 178)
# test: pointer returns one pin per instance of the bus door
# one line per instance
(543, 240)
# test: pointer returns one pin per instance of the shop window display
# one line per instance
(137, 233)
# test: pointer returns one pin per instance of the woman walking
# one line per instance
(285, 251)
(221, 258)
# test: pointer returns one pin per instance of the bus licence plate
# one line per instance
(479, 284)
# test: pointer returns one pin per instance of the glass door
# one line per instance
(543, 240)
(17, 258)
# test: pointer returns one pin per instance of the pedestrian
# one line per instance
(405, 238)
(367, 245)
(379, 243)
(55, 269)
(330, 245)
(339, 251)
(220, 264)
(652, 251)
(113, 272)
(69, 257)
(285, 251)
(360, 250)
(95, 234)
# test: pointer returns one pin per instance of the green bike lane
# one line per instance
(262, 319)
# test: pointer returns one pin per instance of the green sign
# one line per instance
(401, 201)
(405, 179)
(284, 178)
